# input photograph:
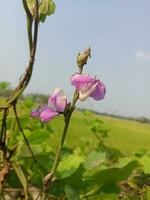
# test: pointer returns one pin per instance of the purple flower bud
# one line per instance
(47, 114)
(58, 101)
(88, 86)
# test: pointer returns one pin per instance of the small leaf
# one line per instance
(46, 8)
(22, 178)
(71, 193)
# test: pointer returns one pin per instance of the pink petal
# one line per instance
(57, 102)
(80, 81)
(99, 92)
(47, 114)
(86, 92)
(35, 113)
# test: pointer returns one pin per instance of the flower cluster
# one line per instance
(85, 85)
(56, 105)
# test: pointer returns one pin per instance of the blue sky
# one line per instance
(118, 32)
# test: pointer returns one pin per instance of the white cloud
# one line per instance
(142, 55)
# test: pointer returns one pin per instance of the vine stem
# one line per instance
(67, 121)
(50, 177)
(25, 139)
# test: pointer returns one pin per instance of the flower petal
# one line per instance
(81, 81)
(99, 92)
(47, 114)
(84, 94)
(57, 102)
(35, 113)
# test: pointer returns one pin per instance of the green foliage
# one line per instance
(4, 85)
(5, 89)
(86, 170)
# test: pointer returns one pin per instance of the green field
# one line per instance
(126, 135)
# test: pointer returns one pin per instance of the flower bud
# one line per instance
(83, 57)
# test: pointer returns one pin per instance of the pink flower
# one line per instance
(58, 101)
(47, 114)
(56, 105)
(88, 86)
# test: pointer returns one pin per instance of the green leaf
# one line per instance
(69, 165)
(46, 8)
(38, 136)
(101, 177)
(104, 197)
(24, 152)
(22, 178)
(111, 188)
(106, 176)
(75, 180)
(71, 193)
(145, 161)
(94, 159)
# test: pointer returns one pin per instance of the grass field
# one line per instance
(128, 136)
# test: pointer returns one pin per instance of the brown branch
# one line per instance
(26, 77)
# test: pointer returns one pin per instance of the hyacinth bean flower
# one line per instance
(88, 86)
(47, 114)
(56, 105)
(57, 102)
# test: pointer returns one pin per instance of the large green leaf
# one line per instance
(101, 177)
(69, 165)
(75, 180)
(71, 193)
(145, 161)
(114, 174)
